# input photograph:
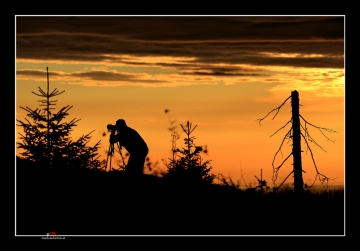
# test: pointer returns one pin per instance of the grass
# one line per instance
(89, 202)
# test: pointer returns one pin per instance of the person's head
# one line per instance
(120, 125)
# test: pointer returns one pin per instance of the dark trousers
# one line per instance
(136, 163)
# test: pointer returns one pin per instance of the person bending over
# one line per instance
(133, 143)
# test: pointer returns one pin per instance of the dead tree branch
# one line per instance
(277, 187)
(288, 133)
(275, 170)
(290, 121)
(307, 135)
(318, 174)
(277, 108)
(320, 129)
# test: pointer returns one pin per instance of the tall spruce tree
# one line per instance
(46, 140)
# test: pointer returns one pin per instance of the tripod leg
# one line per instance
(110, 153)
(107, 158)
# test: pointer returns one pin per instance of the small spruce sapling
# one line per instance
(188, 166)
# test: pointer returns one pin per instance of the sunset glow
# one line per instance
(221, 73)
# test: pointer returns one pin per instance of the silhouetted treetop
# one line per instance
(46, 139)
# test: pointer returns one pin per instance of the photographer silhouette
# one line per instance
(133, 143)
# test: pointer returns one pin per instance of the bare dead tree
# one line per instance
(298, 130)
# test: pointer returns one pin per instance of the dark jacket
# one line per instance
(131, 140)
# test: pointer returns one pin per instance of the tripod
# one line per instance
(111, 153)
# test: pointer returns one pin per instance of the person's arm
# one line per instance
(114, 138)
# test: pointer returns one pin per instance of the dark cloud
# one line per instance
(225, 71)
(111, 76)
(224, 74)
(228, 40)
(187, 28)
(307, 29)
(35, 73)
(93, 75)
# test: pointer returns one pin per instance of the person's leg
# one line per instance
(135, 164)
(141, 164)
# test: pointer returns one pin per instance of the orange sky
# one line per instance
(220, 73)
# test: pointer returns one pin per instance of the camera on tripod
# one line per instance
(111, 128)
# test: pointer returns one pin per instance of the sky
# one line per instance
(221, 73)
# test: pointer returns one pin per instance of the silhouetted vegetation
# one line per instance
(93, 202)
(187, 164)
(295, 134)
(183, 200)
(46, 140)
